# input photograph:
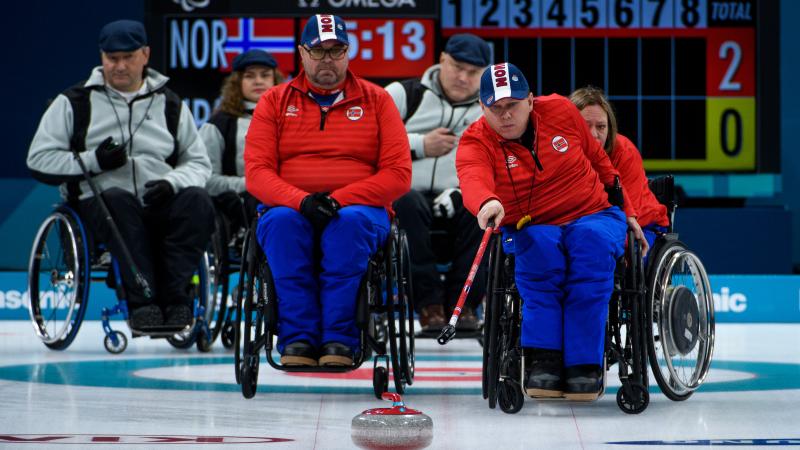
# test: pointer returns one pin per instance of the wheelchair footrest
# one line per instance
(159, 331)
(564, 398)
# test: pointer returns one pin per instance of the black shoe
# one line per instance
(299, 353)
(336, 354)
(543, 376)
(584, 382)
(178, 315)
(146, 316)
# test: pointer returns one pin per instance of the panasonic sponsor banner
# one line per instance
(14, 299)
(756, 298)
(737, 298)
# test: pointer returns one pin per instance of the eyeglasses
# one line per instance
(318, 53)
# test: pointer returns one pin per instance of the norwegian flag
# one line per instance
(275, 36)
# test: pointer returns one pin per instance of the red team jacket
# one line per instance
(627, 160)
(356, 149)
(569, 187)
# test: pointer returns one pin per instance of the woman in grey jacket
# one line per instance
(254, 72)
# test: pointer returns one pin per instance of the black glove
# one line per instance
(110, 155)
(158, 192)
(319, 208)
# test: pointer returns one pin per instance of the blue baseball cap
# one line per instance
(501, 81)
(324, 27)
(253, 57)
(122, 36)
(470, 49)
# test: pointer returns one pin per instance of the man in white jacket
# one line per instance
(436, 109)
(140, 144)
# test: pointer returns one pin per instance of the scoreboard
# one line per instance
(681, 74)
(690, 80)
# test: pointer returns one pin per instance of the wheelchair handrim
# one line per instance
(680, 384)
(34, 308)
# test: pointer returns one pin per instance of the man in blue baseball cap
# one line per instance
(436, 109)
(140, 144)
(327, 154)
(531, 166)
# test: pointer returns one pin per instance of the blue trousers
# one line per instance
(319, 306)
(565, 275)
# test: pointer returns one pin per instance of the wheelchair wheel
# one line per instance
(219, 267)
(239, 295)
(249, 376)
(182, 341)
(405, 310)
(228, 334)
(116, 342)
(399, 313)
(633, 398)
(380, 381)
(680, 320)
(509, 396)
(203, 289)
(492, 349)
(58, 279)
(257, 292)
(626, 343)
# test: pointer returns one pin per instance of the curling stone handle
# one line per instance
(447, 333)
(393, 397)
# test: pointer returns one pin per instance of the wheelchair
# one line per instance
(64, 261)
(662, 313)
(384, 316)
(225, 258)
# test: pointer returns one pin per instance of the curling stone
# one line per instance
(396, 428)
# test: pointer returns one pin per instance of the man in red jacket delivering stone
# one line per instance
(327, 154)
(531, 166)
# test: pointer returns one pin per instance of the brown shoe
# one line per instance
(431, 318)
(467, 321)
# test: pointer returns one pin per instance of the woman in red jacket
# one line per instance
(599, 116)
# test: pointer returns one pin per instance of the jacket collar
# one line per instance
(154, 80)
(351, 87)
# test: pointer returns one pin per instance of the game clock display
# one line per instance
(681, 74)
(390, 48)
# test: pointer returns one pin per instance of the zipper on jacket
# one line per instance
(323, 110)
(130, 147)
